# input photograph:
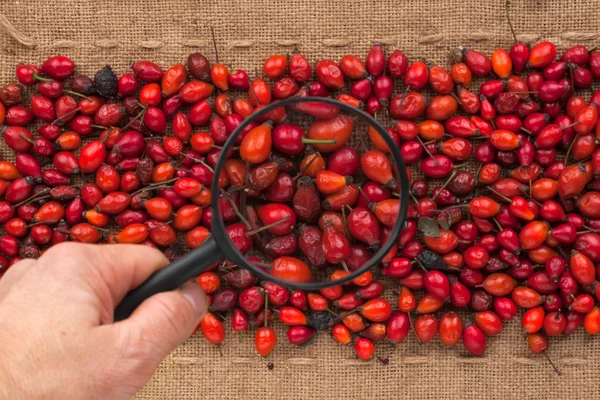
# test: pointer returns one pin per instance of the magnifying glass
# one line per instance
(233, 241)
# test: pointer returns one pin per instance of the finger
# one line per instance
(14, 274)
(120, 267)
(167, 319)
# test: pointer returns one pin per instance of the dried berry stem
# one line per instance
(316, 156)
(503, 197)
(427, 150)
(345, 220)
(569, 149)
(140, 114)
(77, 94)
(265, 227)
(558, 371)
(452, 175)
(153, 186)
(214, 40)
(512, 30)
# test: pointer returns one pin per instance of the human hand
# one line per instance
(57, 336)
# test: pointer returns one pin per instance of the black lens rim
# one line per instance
(234, 255)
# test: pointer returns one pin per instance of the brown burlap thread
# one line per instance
(165, 31)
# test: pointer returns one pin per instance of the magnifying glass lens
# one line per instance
(312, 193)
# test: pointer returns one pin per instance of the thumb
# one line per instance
(167, 319)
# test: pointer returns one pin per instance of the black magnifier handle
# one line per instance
(171, 277)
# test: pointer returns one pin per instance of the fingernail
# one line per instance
(195, 295)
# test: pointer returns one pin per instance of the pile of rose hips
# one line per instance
(130, 159)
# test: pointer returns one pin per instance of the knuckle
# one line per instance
(19, 268)
(140, 350)
(150, 341)
(135, 344)
(153, 255)
(179, 314)
(70, 249)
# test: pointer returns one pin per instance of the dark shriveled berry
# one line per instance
(105, 82)
(431, 260)
(321, 321)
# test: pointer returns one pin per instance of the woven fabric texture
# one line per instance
(95, 33)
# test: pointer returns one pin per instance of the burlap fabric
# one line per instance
(115, 32)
